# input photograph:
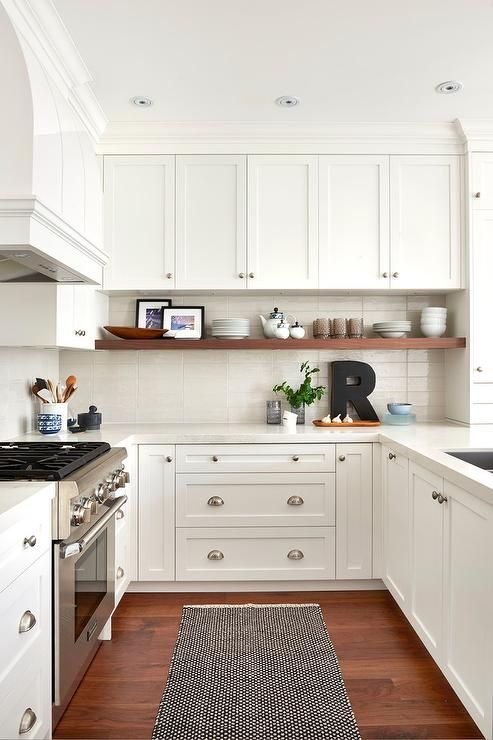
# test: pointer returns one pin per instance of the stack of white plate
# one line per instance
(392, 329)
(230, 328)
(433, 321)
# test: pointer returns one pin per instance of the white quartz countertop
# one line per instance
(16, 493)
(422, 443)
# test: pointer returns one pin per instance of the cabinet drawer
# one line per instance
(255, 499)
(255, 554)
(262, 458)
(25, 615)
(31, 522)
(28, 687)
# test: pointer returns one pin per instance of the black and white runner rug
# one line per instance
(254, 672)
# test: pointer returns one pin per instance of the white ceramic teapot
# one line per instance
(271, 324)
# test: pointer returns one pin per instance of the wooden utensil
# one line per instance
(70, 385)
(52, 390)
(45, 395)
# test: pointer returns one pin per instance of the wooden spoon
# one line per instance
(69, 384)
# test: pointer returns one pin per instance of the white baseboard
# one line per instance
(252, 586)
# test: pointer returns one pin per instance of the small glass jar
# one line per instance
(274, 413)
(300, 413)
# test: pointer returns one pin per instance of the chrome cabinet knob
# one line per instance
(27, 622)
(295, 555)
(169, 458)
(477, 195)
(479, 369)
(392, 456)
(215, 458)
(169, 275)
(241, 275)
(120, 572)
(120, 514)
(215, 555)
(31, 541)
(251, 274)
(28, 720)
(215, 501)
(442, 499)
(342, 458)
(80, 332)
(395, 274)
(295, 458)
(295, 501)
(434, 495)
(385, 274)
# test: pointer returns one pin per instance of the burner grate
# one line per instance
(50, 461)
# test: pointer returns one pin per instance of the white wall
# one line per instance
(18, 368)
(199, 385)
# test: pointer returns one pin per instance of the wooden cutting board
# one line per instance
(320, 423)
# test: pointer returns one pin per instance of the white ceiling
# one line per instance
(227, 60)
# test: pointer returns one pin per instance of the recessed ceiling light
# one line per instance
(450, 86)
(141, 101)
(287, 101)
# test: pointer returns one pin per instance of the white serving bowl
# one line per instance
(434, 324)
(392, 334)
(434, 309)
(433, 331)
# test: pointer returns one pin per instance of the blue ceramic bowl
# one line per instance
(399, 408)
(49, 423)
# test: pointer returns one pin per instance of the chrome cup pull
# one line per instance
(28, 720)
(295, 555)
(27, 622)
(295, 501)
(31, 541)
(215, 555)
(215, 501)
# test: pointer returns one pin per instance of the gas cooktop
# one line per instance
(51, 461)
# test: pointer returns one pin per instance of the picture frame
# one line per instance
(185, 322)
(149, 312)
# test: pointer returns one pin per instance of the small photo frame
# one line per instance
(185, 322)
(149, 313)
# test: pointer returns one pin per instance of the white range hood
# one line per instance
(50, 189)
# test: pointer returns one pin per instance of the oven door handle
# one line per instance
(69, 549)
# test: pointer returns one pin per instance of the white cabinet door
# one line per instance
(354, 222)
(396, 544)
(425, 222)
(139, 222)
(211, 222)
(283, 221)
(426, 556)
(156, 513)
(354, 511)
(482, 266)
(468, 602)
(482, 182)
(80, 313)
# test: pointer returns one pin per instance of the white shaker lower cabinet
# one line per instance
(467, 651)
(426, 527)
(354, 503)
(396, 533)
(25, 617)
(156, 513)
(255, 554)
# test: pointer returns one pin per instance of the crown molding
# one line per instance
(39, 25)
(477, 134)
(156, 135)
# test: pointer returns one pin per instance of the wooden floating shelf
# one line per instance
(269, 344)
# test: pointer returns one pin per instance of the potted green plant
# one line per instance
(303, 396)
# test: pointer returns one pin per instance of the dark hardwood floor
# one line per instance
(395, 688)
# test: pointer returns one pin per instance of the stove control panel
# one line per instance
(84, 509)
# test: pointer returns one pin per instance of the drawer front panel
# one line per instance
(28, 687)
(255, 554)
(255, 499)
(25, 615)
(267, 458)
(17, 531)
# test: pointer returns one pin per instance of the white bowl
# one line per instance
(434, 323)
(438, 309)
(433, 331)
(392, 334)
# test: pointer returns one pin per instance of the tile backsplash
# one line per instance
(221, 386)
(19, 367)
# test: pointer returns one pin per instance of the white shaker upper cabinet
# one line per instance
(283, 221)
(139, 222)
(211, 222)
(425, 222)
(354, 222)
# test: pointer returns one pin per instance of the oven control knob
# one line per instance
(77, 517)
(86, 509)
(93, 502)
(114, 482)
(102, 493)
